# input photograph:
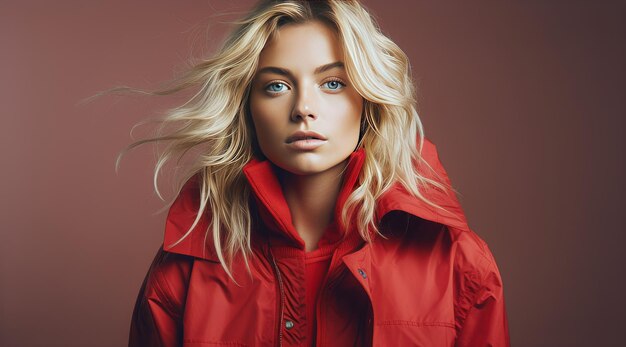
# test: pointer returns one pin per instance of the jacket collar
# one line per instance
(274, 211)
(398, 198)
(272, 206)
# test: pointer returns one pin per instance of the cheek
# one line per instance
(266, 118)
(351, 112)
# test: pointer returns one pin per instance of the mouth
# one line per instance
(305, 140)
(305, 136)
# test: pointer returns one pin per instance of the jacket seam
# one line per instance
(165, 291)
(482, 271)
(486, 264)
(416, 323)
(218, 343)
(484, 252)
(472, 306)
(483, 268)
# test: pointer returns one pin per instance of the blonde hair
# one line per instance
(215, 122)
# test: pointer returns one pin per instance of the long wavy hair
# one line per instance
(215, 125)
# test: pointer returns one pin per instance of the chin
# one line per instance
(309, 166)
(302, 170)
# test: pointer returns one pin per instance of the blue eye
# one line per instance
(334, 85)
(276, 87)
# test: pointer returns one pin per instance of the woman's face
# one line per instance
(306, 114)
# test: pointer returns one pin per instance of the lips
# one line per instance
(305, 135)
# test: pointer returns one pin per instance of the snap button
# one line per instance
(289, 324)
(362, 273)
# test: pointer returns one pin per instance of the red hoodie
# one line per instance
(430, 282)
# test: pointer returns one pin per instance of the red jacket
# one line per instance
(431, 282)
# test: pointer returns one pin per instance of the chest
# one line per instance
(379, 297)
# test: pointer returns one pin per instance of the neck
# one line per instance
(311, 200)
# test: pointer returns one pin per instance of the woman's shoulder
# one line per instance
(472, 255)
(167, 281)
(466, 253)
(473, 269)
(161, 300)
(479, 294)
(170, 265)
(185, 231)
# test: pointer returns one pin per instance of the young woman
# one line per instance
(315, 212)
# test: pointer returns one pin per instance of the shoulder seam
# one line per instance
(164, 288)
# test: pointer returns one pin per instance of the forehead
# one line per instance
(303, 45)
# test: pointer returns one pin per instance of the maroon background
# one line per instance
(525, 102)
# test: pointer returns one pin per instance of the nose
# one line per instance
(305, 106)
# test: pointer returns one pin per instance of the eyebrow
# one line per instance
(286, 72)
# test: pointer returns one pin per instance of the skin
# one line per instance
(291, 93)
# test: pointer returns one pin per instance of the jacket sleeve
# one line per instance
(157, 316)
(482, 317)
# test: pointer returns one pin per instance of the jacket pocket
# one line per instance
(411, 333)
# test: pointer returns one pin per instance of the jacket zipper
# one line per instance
(281, 301)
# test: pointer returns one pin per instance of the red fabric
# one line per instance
(430, 281)
(316, 263)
